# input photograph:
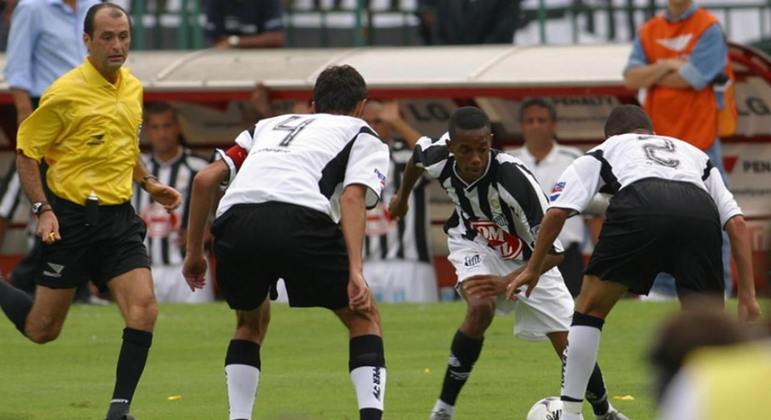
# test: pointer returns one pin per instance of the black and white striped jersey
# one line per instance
(504, 206)
(624, 159)
(164, 228)
(11, 195)
(407, 238)
(307, 160)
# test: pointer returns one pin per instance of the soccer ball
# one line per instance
(549, 408)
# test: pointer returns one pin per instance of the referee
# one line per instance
(86, 131)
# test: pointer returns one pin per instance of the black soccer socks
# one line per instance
(464, 352)
(366, 364)
(15, 303)
(131, 363)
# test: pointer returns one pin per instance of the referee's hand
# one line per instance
(168, 197)
(48, 227)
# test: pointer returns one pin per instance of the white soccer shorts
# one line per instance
(548, 309)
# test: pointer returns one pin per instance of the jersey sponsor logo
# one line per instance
(506, 244)
(558, 187)
(472, 260)
(57, 270)
(160, 223)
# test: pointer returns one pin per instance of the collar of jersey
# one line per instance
(548, 158)
(95, 78)
(476, 181)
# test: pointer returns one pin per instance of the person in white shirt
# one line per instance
(666, 215)
(547, 159)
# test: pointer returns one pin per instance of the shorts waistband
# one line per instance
(62, 203)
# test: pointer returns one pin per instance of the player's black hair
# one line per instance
(627, 119)
(540, 103)
(88, 24)
(467, 118)
(338, 89)
(156, 108)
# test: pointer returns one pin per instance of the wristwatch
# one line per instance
(40, 207)
(234, 41)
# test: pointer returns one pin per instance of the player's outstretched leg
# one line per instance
(15, 303)
(464, 352)
(366, 359)
(242, 361)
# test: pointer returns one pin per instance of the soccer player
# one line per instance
(291, 179)
(174, 165)
(499, 206)
(86, 130)
(666, 216)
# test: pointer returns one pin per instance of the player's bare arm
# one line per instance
(29, 176)
(741, 250)
(353, 214)
(398, 206)
(551, 226)
(168, 197)
(204, 191)
(490, 286)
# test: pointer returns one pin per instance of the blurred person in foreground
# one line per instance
(86, 130)
(398, 263)
(668, 209)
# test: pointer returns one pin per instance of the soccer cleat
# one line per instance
(612, 414)
(440, 414)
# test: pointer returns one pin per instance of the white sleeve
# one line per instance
(368, 166)
(246, 139)
(577, 185)
(726, 205)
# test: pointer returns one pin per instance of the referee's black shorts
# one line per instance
(101, 252)
(654, 226)
(256, 244)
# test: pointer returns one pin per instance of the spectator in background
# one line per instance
(245, 24)
(547, 160)
(175, 166)
(458, 22)
(398, 264)
(45, 42)
(681, 60)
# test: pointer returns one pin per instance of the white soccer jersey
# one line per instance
(504, 206)
(547, 171)
(307, 160)
(624, 159)
(406, 238)
(164, 228)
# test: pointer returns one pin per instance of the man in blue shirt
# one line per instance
(45, 41)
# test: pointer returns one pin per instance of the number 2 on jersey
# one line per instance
(651, 150)
(293, 127)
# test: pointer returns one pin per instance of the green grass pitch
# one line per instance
(304, 365)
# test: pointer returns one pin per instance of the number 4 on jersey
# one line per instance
(293, 127)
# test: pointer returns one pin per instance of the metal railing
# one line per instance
(338, 23)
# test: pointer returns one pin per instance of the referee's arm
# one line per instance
(29, 176)
(168, 197)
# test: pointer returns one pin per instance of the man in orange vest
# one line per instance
(680, 62)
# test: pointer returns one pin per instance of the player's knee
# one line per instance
(481, 312)
(142, 313)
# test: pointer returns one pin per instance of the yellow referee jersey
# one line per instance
(87, 129)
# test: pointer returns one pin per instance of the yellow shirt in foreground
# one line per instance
(87, 129)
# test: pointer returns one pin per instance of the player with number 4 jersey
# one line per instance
(295, 208)
(666, 215)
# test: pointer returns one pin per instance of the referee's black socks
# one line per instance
(131, 363)
(15, 303)
(366, 362)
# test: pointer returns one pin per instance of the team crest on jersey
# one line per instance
(506, 244)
